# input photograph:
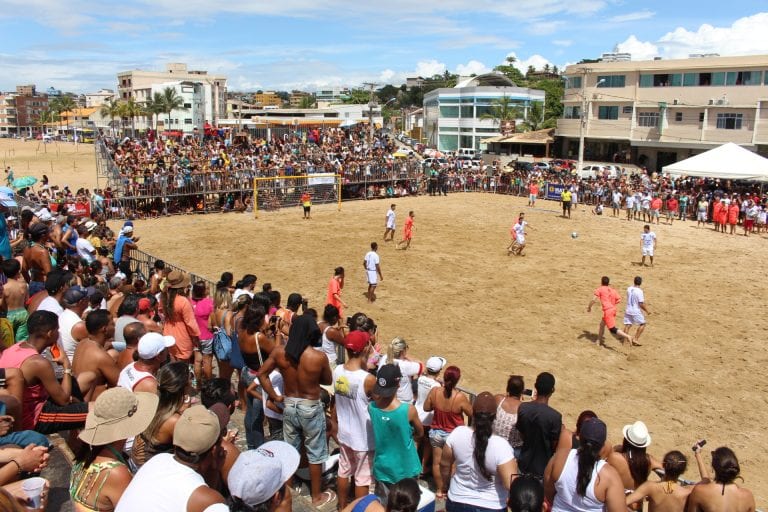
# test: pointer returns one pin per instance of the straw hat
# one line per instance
(118, 414)
(177, 279)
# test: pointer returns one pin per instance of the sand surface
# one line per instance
(65, 163)
(700, 372)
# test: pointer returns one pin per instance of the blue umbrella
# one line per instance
(24, 182)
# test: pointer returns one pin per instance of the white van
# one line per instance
(470, 152)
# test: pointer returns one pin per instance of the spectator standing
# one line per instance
(410, 369)
(539, 426)
(202, 307)
(179, 317)
(505, 424)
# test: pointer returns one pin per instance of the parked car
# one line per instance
(599, 171)
(541, 166)
(442, 163)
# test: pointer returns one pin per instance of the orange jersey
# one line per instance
(609, 297)
(408, 227)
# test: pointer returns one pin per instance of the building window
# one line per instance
(648, 119)
(729, 121)
(678, 117)
(449, 129)
(606, 112)
(449, 112)
(627, 109)
(467, 111)
(611, 80)
(187, 120)
(742, 78)
(187, 105)
(701, 117)
(572, 112)
(448, 142)
(573, 82)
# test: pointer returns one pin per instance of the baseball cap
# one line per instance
(74, 295)
(436, 363)
(594, 430)
(484, 403)
(6, 197)
(197, 430)
(356, 341)
(153, 343)
(258, 474)
(387, 380)
(38, 229)
(145, 304)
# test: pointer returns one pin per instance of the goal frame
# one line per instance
(275, 183)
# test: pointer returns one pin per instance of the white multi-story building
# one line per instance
(192, 114)
(454, 116)
(97, 99)
(140, 85)
(657, 112)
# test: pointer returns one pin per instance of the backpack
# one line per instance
(222, 342)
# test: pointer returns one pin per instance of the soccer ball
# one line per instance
(574, 235)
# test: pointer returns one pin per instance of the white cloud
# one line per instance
(562, 42)
(640, 50)
(745, 36)
(473, 67)
(428, 68)
(632, 16)
(536, 60)
(545, 27)
(387, 75)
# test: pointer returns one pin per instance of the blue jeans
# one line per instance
(305, 419)
(25, 438)
(254, 414)
(453, 506)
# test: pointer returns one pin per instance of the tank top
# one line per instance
(396, 456)
(505, 425)
(130, 376)
(35, 395)
(446, 420)
(352, 409)
(329, 347)
(566, 497)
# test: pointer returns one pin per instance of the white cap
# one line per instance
(436, 363)
(153, 343)
(239, 292)
(258, 474)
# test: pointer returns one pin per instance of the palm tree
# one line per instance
(131, 110)
(66, 104)
(155, 106)
(307, 102)
(110, 109)
(502, 110)
(535, 118)
(358, 97)
(172, 101)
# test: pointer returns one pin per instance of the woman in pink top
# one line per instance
(179, 318)
(202, 306)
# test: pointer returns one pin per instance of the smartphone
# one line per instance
(528, 392)
(55, 351)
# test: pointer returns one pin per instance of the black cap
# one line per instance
(594, 430)
(38, 229)
(387, 380)
(74, 295)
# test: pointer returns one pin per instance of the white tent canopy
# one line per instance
(729, 161)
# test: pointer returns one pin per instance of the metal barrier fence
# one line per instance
(143, 264)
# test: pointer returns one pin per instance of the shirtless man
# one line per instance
(132, 333)
(92, 365)
(15, 295)
(36, 261)
(303, 371)
(145, 316)
(667, 495)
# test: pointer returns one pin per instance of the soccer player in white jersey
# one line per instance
(389, 224)
(647, 244)
(636, 310)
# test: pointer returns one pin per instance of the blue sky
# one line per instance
(80, 45)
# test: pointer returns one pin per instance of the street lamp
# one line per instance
(586, 105)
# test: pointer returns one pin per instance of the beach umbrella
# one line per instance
(24, 182)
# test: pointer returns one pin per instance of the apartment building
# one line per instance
(266, 99)
(456, 117)
(657, 112)
(297, 98)
(140, 85)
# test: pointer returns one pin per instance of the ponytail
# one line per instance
(483, 422)
(588, 454)
(450, 379)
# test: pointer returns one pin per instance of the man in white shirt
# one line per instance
(647, 244)
(633, 315)
(519, 231)
(372, 265)
(630, 202)
(389, 225)
(85, 249)
(56, 284)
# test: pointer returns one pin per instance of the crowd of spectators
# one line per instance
(142, 378)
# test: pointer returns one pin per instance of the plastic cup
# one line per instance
(33, 488)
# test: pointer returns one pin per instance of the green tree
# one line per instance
(511, 72)
(502, 109)
(553, 103)
(535, 118)
(153, 107)
(307, 102)
(172, 101)
(46, 117)
(387, 92)
(110, 109)
(358, 97)
(66, 104)
(130, 110)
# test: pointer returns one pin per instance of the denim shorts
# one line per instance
(305, 419)
(437, 437)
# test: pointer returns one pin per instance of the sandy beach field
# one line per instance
(65, 163)
(698, 374)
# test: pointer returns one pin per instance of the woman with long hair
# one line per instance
(578, 480)
(450, 406)
(179, 317)
(410, 368)
(221, 318)
(722, 493)
(333, 336)
(630, 459)
(485, 464)
(505, 424)
(100, 473)
(403, 496)
(202, 307)
(173, 386)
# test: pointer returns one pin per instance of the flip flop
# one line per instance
(331, 497)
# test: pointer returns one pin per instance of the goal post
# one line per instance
(276, 192)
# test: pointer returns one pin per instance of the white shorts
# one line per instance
(532, 197)
(702, 216)
(521, 240)
(647, 251)
(630, 319)
(373, 277)
(390, 226)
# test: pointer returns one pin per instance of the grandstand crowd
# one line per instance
(141, 378)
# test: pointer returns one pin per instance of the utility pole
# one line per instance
(371, 104)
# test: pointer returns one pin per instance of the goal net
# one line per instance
(277, 192)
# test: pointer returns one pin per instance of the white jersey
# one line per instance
(391, 219)
(371, 260)
(355, 429)
(635, 297)
(130, 376)
(648, 239)
(276, 378)
(630, 201)
(519, 229)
